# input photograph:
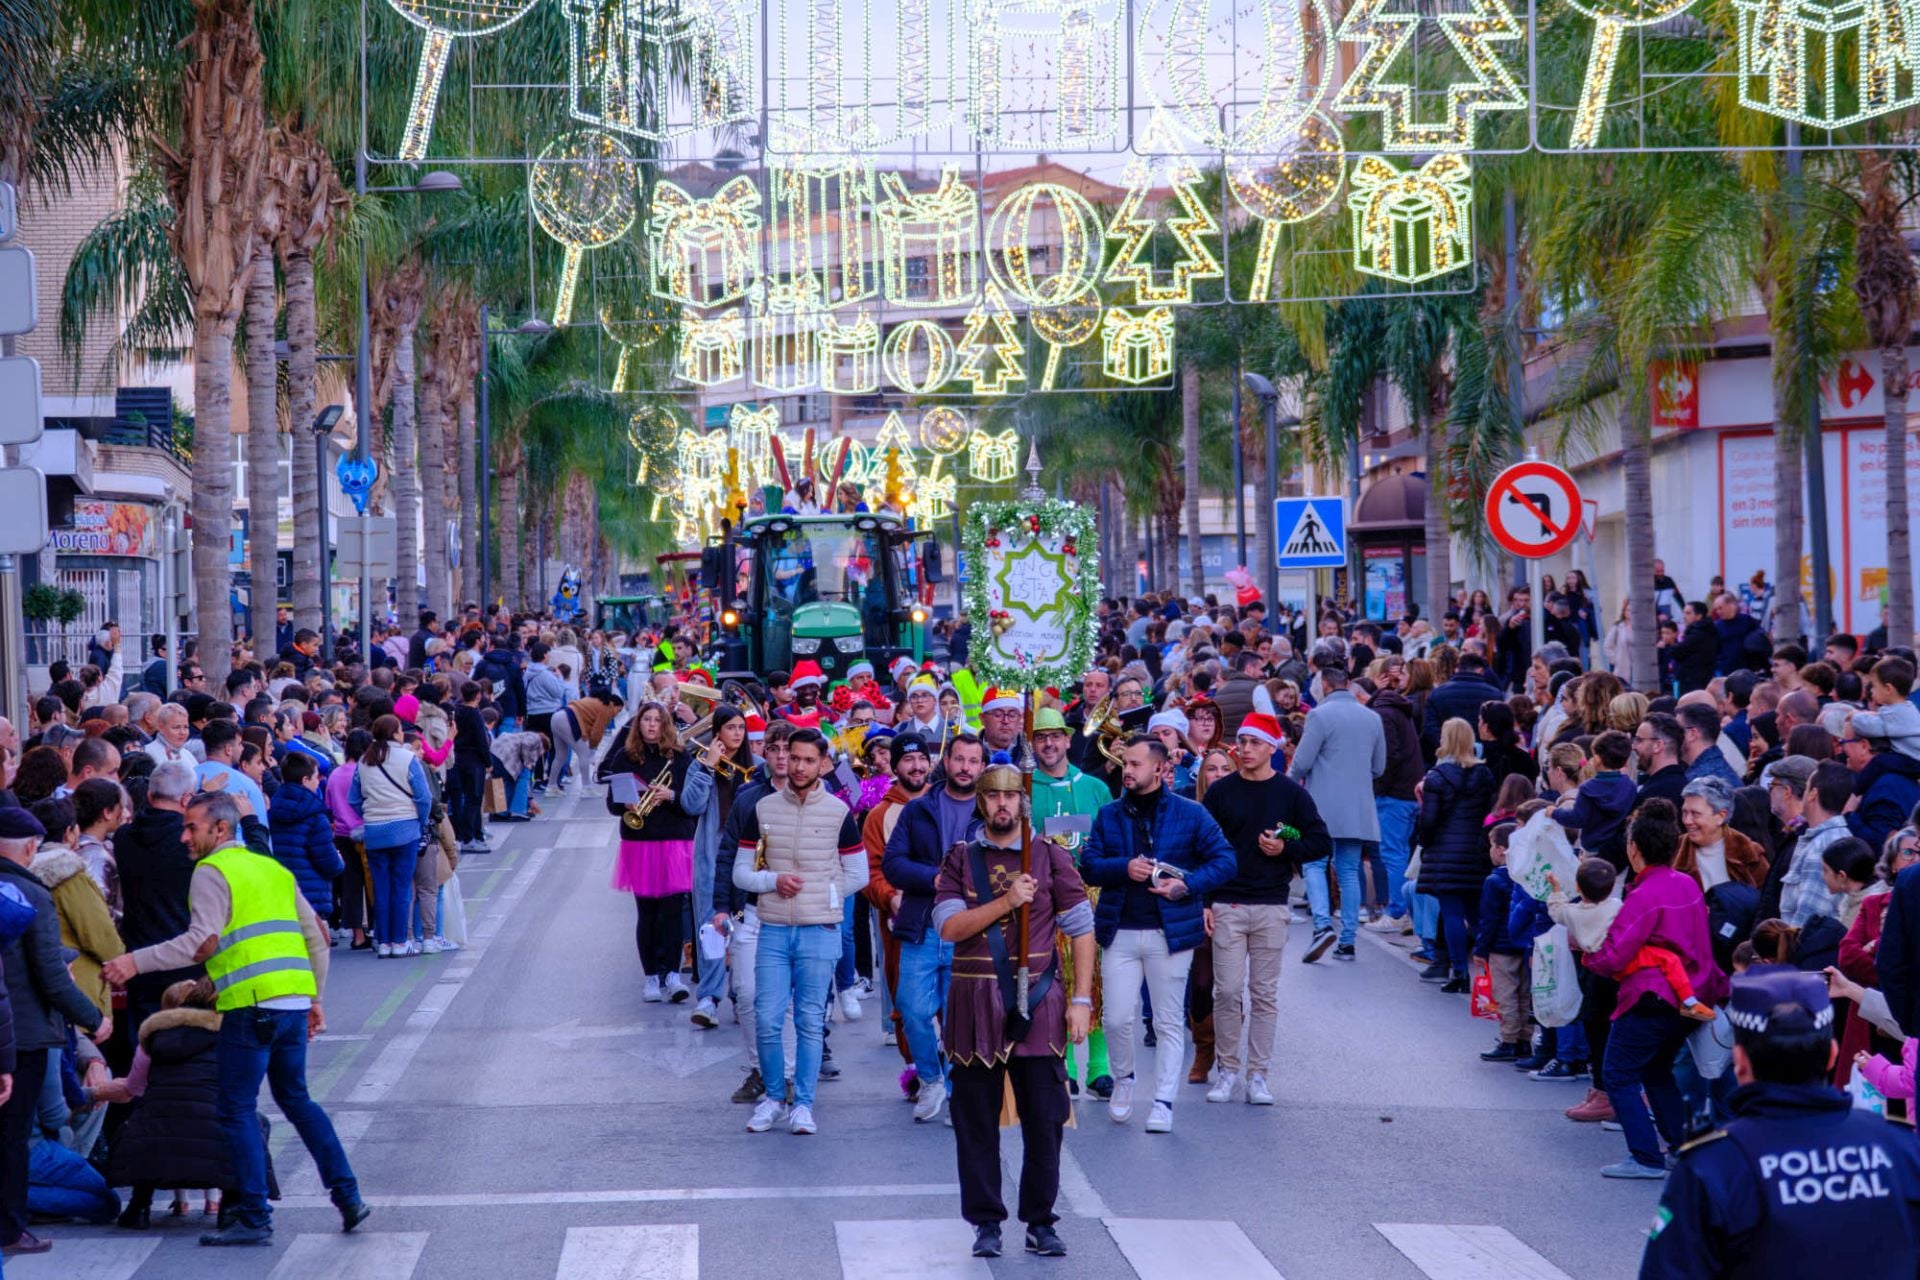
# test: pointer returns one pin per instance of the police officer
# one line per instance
(1798, 1178)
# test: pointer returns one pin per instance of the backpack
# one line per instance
(1731, 908)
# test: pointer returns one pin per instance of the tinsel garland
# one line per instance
(1018, 522)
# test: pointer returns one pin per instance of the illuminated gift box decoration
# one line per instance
(1137, 346)
(785, 316)
(821, 222)
(659, 69)
(1046, 72)
(940, 228)
(1828, 64)
(711, 348)
(705, 251)
(1412, 226)
(849, 356)
(853, 76)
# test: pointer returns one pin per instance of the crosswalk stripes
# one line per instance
(105, 1258)
(365, 1255)
(1166, 1249)
(1457, 1252)
(914, 1249)
(299, 1176)
(670, 1252)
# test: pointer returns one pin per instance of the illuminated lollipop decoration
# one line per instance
(584, 189)
(1300, 187)
(1611, 18)
(444, 21)
(1063, 327)
(634, 329)
(652, 431)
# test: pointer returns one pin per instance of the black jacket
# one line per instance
(1405, 763)
(1665, 784)
(1454, 805)
(668, 821)
(172, 1137)
(1509, 757)
(1898, 955)
(1695, 655)
(41, 990)
(1246, 809)
(1460, 698)
(502, 667)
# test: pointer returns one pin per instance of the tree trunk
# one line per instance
(1893, 382)
(1636, 469)
(431, 450)
(212, 505)
(1168, 573)
(1789, 512)
(1438, 536)
(406, 478)
(309, 486)
(263, 452)
(468, 487)
(1190, 458)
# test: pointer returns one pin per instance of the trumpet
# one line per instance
(636, 814)
(724, 766)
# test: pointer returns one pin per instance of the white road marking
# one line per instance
(670, 1252)
(391, 1066)
(1170, 1248)
(365, 1255)
(635, 1195)
(910, 1250)
(1445, 1251)
(585, 835)
(81, 1258)
(299, 1176)
(1081, 1198)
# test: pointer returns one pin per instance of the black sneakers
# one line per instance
(1344, 952)
(352, 1215)
(1322, 940)
(1046, 1242)
(986, 1240)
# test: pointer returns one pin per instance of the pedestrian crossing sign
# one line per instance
(1311, 532)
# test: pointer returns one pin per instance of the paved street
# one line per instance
(514, 1110)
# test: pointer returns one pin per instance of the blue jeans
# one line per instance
(1640, 1054)
(1425, 909)
(1457, 912)
(793, 966)
(392, 871)
(1346, 865)
(926, 969)
(271, 1044)
(62, 1185)
(1396, 847)
(844, 974)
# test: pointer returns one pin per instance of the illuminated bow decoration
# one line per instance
(1441, 190)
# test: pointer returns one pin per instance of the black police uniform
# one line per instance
(1798, 1184)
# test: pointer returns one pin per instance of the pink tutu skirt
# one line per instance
(654, 868)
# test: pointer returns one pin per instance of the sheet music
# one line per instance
(626, 788)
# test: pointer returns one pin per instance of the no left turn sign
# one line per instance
(1533, 510)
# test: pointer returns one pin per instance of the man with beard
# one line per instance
(807, 682)
(1001, 711)
(912, 766)
(1062, 791)
(928, 828)
(992, 1054)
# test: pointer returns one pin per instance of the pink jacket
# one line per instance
(1664, 908)
(1895, 1082)
(339, 786)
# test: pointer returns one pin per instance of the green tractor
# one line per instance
(830, 588)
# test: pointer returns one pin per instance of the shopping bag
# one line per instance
(496, 801)
(1711, 1045)
(453, 912)
(1538, 848)
(1865, 1096)
(1483, 1003)
(1556, 984)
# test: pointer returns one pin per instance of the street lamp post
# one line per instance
(322, 428)
(1269, 397)
(484, 466)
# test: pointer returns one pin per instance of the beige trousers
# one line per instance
(1248, 939)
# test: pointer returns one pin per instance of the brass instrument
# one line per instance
(725, 766)
(636, 815)
(1106, 724)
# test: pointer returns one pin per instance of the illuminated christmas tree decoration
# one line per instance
(918, 357)
(1137, 347)
(935, 231)
(943, 430)
(1299, 187)
(994, 459)
(1611, 18)
(849, 355)
(445, 21)
(990, 360)
(1063, 327)
(933, 495)
(1412, 226)
(893, 435)
(705, 251)
(1046, 72)
(1236, 75)
(1051, 222)
(584, 189)
(1386, 28)
(785, 318)
(821, 223)
(711, 348)
(1829, 63)
(1133, 227)
(659, 69)
(855, 76)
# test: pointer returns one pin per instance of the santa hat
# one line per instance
(804, 719)
(806, 672)
(1263, 727)
(899, 665)
(997, 699)
(1172, 718)
(756, 729)
(861, 667)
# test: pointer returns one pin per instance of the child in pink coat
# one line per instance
(1893, 1081)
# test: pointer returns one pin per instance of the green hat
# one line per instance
(1049, 720)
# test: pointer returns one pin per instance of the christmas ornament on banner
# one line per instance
(659, 70)
(1035, 578)
(855, 76)
(1473, 33)
(1235, 75)
(585, 191)
(1829, 64)
(1412, 226)
(444, 21)
(1191, 227)
(1046, 73)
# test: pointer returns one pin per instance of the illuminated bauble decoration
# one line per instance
(943, 430)
(918, 357)
(444, 21)
(585, 190)
(1235, 75)
(1021, 224)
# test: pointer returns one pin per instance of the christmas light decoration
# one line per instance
(856, 76)
(1063, 327)
(936, 229)
(785, 318)
(584, 189)
(991, 360)
(1046, 72)
(711, 347)
(933, 495)
(918, 357)
(659, 69)
(993, 459)
(705, 251)
(1072, 255)
(634, 331)
(1272, 64)
(849, 355)
(943, 430)
(1299, 187)
(444, 21)
(1829, 63)
(1137, 347)
(821, 223)
(893, 435)
(1611, 18)
(750, 434)
(1386, 28)
(1133, 228)
(1412, 226)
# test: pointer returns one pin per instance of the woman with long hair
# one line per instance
(1456, 797)
(656, 860)
(389, 791)
(709, 793)
(1203, 726)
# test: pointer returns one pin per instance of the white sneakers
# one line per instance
(1257, 1092)
(926, 1108)
(1384, 924)
(706, 1014)
(432, 946)
(651, 992)
(677, 989)
(801, 1124)
(1222, 1090)
(1160, 1119)
(769, 1112)
(850, 1005)
(383, 951)
(1120, 1105)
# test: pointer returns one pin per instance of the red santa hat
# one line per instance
(1263, 727)
(756, 729)
(804, 719)
(899, 665)
(997, 699)
(806, 672)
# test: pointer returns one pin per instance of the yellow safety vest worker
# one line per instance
(262, 953)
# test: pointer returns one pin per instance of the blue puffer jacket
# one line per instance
(303, 843)
(1888, 789)
(1185, 835)
(1491, 935)
(911, 863)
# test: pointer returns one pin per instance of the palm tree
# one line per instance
(263, 426)
(1884, 281)
(1190, 459)
(396, 318)
(432, 436)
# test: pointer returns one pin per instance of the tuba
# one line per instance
(1104, 723)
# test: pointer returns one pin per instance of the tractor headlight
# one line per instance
(849, 644)
(806, 644)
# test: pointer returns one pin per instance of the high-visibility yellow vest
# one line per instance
(262, 953)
